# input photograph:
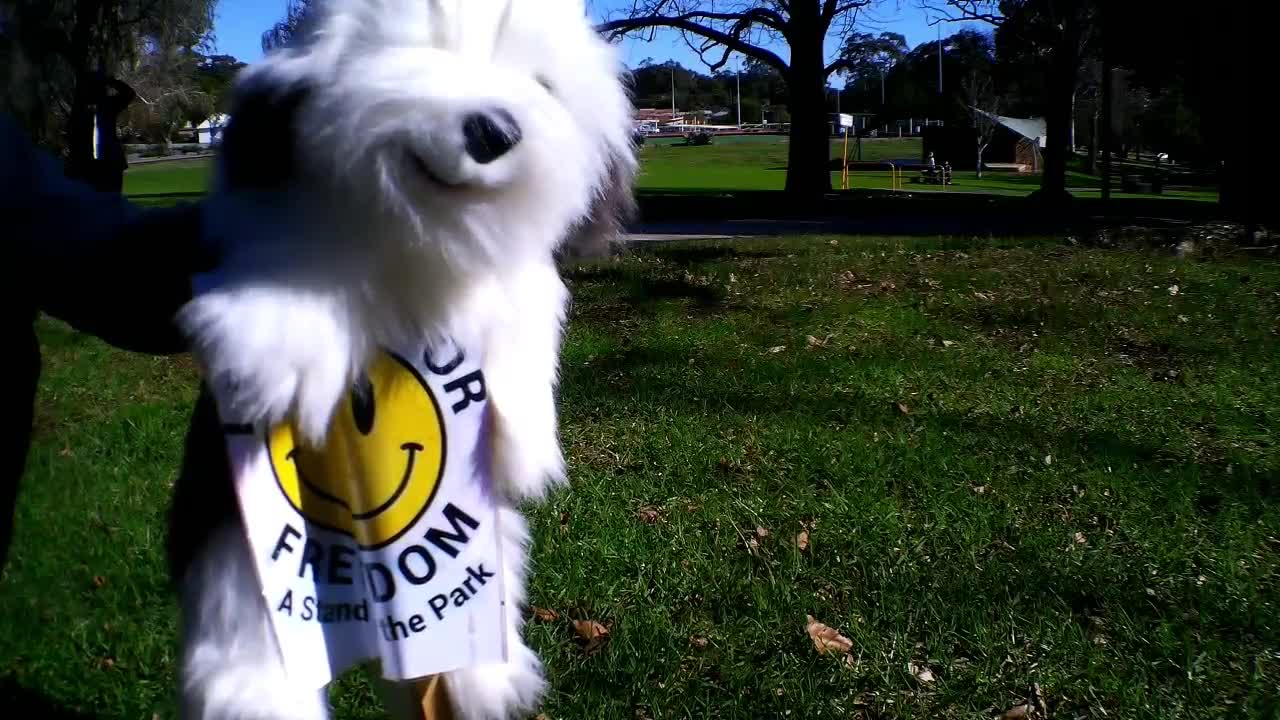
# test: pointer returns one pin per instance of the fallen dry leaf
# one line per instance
(1033, 707)
(545, 615)
(595, 634)
(99, 581)
(812, 342)
(948, 343)
(65, 451)
(922, 673)
(980, 489)
(108, 663)
(826, 639)
(649, 514)
(903, 408)
(1080, 538)
(698, 641)
(777, 349)
(835, 243)
(802, 540)
(733, 278)
(1048, 459)
(1174, 289)
(761, 532)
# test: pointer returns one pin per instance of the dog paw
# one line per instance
(501, 691)
(272, 354)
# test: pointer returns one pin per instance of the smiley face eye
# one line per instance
(362, 405)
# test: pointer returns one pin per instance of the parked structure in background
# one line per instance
(1017, 145)
(209, 132)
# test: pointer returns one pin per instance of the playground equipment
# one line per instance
(895, 177)
(845, 121)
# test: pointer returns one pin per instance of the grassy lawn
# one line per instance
(1017, 463)
(168, 177)
(729, 163)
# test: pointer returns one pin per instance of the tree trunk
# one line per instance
(1060, 88)
(809, 152)
(1108, 100)
(1091, 162)
(981, 149)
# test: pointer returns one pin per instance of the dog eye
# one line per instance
(545, 83)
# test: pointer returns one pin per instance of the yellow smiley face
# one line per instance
(381, 462)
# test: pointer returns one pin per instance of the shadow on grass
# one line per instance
(692, 255)
(615, 375)
(644, 293)
(28, 703)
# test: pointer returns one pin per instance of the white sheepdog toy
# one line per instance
(407, 169)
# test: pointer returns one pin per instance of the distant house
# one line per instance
(1017, 144)
(209, 132)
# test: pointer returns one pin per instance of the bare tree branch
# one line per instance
(837, 8)
(838, 65)
(951, 11)
(731, 40)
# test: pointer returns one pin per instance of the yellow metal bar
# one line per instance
(844, 180)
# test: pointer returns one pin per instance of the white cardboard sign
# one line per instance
(383, 544)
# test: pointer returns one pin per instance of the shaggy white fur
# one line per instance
(357, 205)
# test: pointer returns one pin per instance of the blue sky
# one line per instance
(240, 24)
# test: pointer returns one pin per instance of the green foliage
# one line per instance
(870, 56)
(279, 34)
(762, 88)
(214, 76)
(52, 47)
(911, 79)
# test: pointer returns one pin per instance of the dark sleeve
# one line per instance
(103, 265)
(127, 288)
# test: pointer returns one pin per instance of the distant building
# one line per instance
(1017, 144)
(209, 132)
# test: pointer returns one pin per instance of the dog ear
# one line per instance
(599, 233)
(259, 146)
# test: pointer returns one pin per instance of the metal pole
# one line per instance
(882, 85)
(939, 58)
(673, 93)
(739, 96)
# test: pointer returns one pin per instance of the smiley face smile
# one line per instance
(381, 461)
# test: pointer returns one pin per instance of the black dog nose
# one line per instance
(490, 135)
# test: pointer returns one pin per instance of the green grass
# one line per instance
(729, 163)
(1082, 493)
(168, 177)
